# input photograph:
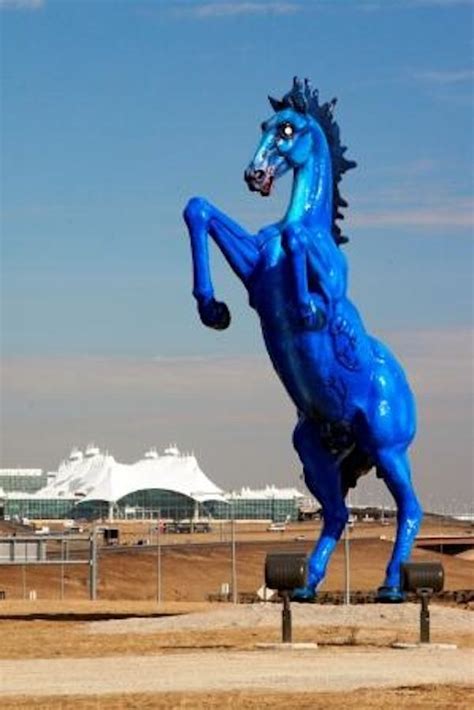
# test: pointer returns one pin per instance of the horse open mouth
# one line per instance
(266, 188)
(259, 181)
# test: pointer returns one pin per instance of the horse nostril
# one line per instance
(254, 178)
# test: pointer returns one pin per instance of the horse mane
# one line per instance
(304, 99)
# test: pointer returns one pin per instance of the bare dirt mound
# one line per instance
(251, 616)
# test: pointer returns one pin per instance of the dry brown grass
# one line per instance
(24, 638)
(431, 697)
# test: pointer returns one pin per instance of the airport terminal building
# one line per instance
(169, 486)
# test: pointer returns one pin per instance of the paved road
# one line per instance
(316, 670)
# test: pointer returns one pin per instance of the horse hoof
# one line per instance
(214, 314)
(303, 594)
(389, 595)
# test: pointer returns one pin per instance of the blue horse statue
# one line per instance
(355, 408)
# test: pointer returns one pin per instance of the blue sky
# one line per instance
(115, 113)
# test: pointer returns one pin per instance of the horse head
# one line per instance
(301, 127)
(288, 139)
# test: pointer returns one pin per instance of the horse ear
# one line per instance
(276, 104)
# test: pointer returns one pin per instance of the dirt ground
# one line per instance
(429, 697)
(187, 653)
(288, 670)
(208, 658)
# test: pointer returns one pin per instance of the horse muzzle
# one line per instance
(259, 181)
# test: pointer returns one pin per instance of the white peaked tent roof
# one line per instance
(98, 476)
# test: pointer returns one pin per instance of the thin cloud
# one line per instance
(411, 169)
(432, 217)
(373, 5)
(406, 201)
(21, 4)
(440, 3)
(205, 10)
(446, 77)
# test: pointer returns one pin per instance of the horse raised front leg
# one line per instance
(295, 245)
(322, 477)
(238, 247)
(394, 469)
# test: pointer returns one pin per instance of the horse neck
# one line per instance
(311, 196)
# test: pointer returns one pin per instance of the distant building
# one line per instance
(171, 485)
(269, 503)
(24, 480)
(93, 484)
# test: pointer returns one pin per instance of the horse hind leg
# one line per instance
(322, 477)
(393, 467)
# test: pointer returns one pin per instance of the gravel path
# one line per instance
(258, 615)
(281, 671)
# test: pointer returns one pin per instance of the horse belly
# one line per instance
(316, 383)
(316, 367)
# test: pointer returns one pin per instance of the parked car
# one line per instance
(276, 527)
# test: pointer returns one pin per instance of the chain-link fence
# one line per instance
(161, 560)
(46, 566)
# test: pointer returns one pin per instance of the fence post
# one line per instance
(234, 565)
(158, 558)
(62, 568)
(93, 565)
(347, 559)
(23, 576)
